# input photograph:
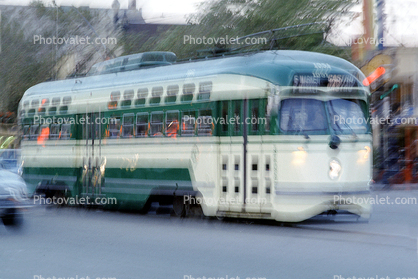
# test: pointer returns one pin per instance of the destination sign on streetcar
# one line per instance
(310, 82)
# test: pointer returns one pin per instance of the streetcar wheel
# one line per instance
(179, 207)
(12, 218)
(144, 210)
(220, 216)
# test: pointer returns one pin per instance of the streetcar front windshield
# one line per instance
(303, 116)
(298, 116)
(347, 117)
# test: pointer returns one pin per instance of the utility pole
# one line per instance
(380, 23)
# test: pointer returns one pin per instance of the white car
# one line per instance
(13, 198)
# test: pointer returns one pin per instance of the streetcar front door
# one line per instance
(93, 163)
(245, 183)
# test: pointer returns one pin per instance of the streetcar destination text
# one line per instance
(312, 81)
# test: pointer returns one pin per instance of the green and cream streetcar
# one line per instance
(280, 135)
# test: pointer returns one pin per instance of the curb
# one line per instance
(395, 187)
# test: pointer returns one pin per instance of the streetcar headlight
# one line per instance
(364, 155)
(334, 169)
(299, 156)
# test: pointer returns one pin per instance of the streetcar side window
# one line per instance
(128, 95)
(114, 127)
(55, 130)
(63, 109)
(236, 122)
(52, 110)
(114, 99)
(66, 100)
(172, 92)
(172, 124)
(142, 95)
(142, 125)
(254, 114)
(56, 101)
(35, 103)
(65, 131)
(45, 102)
(205, 123)
(34, 131)
(224, 115)
(156, 94)
(188, 121)
(128, 125)
(44, 134)
(205, 88)
(157, 124)
(188, 91)
(26, 132)
(41, 111)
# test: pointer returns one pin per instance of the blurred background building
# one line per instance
(392, 72)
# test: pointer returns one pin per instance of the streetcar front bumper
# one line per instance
(301, 205)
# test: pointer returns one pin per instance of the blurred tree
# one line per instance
(21, 65)
(25, 62)
(237, 18)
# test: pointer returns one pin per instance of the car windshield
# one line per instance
(311, 116)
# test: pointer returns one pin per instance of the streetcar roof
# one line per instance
(277, 67)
